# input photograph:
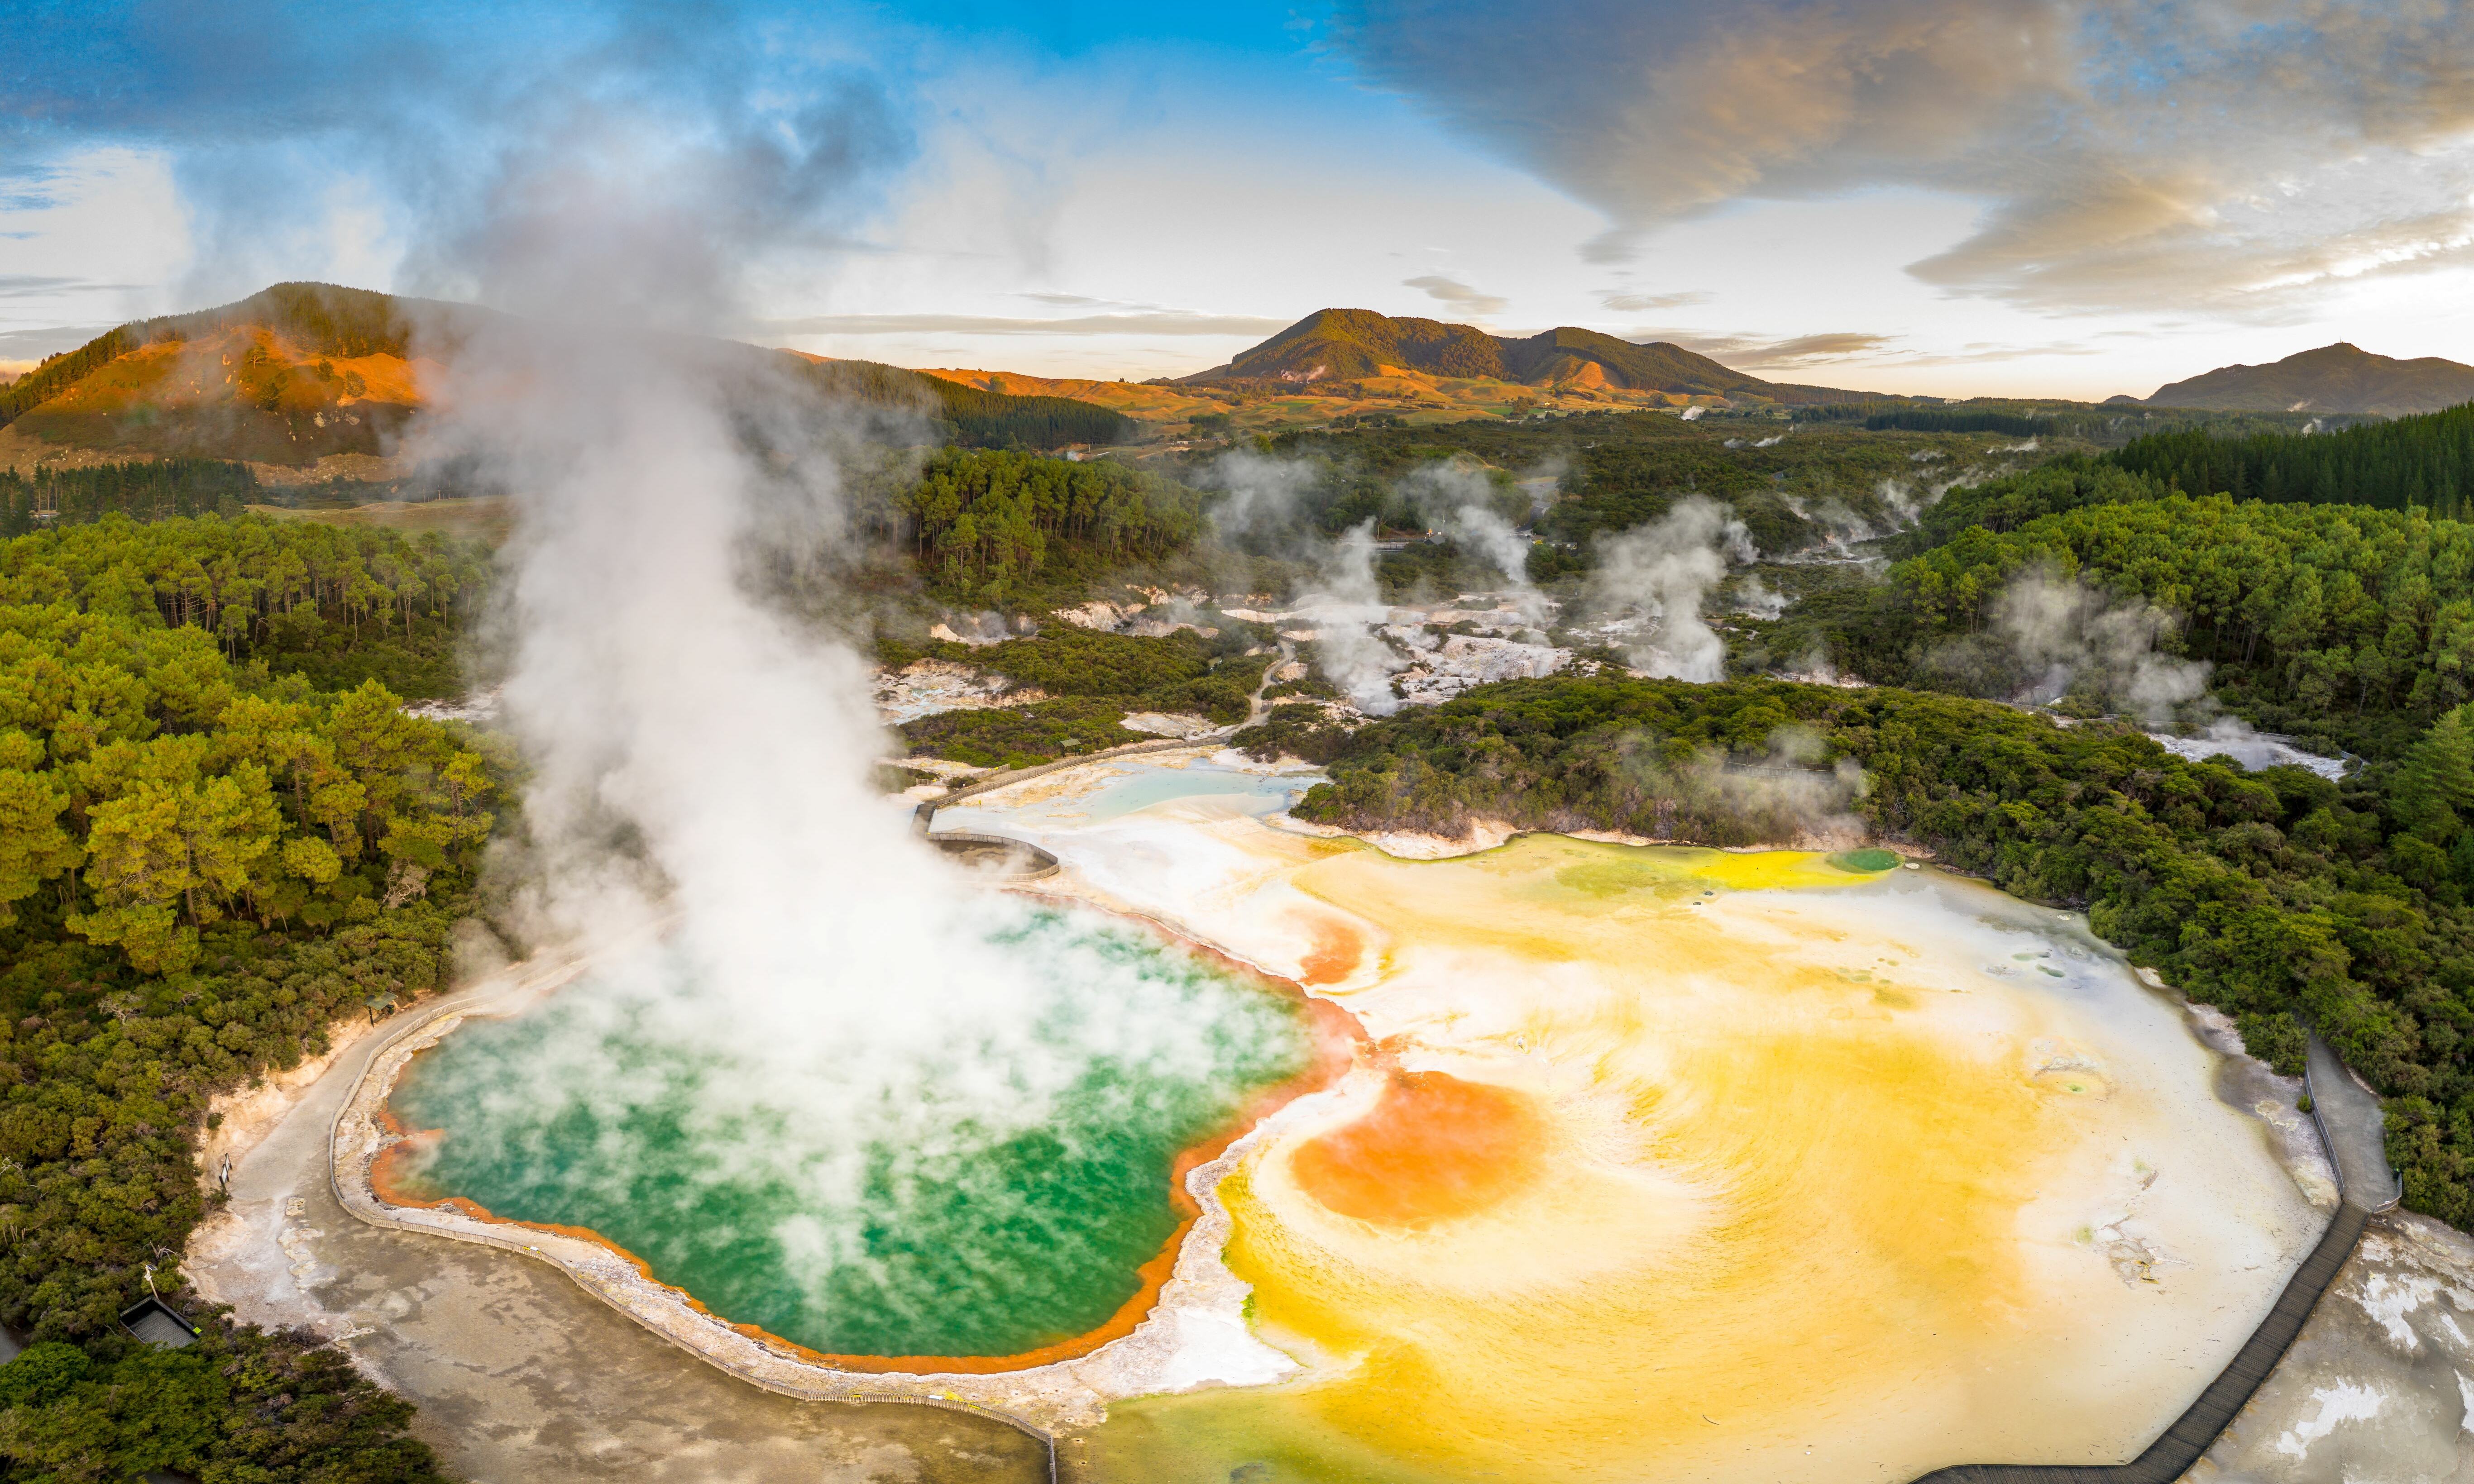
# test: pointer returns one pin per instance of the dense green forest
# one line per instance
(2425, 461)
(2107, 425)
(1005, 528)
(2344, 623)
(340, 604)
(203, 863)
(2264, 893)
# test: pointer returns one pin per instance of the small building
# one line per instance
(157, 1324)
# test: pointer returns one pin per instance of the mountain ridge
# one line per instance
(1346, 344)
(303, 373)
(2341, 378)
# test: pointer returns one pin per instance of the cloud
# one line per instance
(35, 343)
(1634, 304)
(291, 126)
(2228, 157)
(1459, 296)
(1805, 349)
(1155, 321)
(1747, 352)
(45, 286)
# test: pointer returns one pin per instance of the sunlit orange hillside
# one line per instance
(240, 391)
(310, 380)
(1266, 405)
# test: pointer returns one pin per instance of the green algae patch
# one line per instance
(972, 1220)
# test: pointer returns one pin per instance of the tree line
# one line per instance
(147, 490)
(340, 603)
(2349, 623)
(2424, 460)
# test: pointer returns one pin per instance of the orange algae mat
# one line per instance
(1680, 1164)
(1434, 1147)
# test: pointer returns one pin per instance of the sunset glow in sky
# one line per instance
(1955, 197)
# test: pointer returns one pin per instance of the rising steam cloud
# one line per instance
(1651, 582)
(1466, 505)
(699, 760)
(2069, 637)
(1345, 611)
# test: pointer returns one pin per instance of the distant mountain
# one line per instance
(1351, 344)
(304, 371)
(2332, 378)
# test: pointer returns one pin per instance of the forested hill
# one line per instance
(1342, 344)
(303, 371)
(204, 862)
(2331, 379)
(1000, 528)
(2425, 461)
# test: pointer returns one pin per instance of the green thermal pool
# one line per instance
(991, 1200)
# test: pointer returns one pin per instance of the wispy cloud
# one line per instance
(1630, 302)
(1458, 294)
(1154, 322)
(1802, 352)
(44, 286)
(28, 345)
(1756, 352)
(2231, 157)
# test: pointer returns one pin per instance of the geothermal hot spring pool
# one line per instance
(1642, 1163)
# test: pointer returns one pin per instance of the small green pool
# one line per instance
(927, 1229)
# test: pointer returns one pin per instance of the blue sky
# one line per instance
(1943, 196)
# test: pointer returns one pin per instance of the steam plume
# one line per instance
(2067, 635)
(1651, 581)
(1345, 613)
(698, 756)
(1463, 504)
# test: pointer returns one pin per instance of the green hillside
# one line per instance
(1343, 345)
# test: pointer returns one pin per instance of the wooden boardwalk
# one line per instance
(2349, 1122)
